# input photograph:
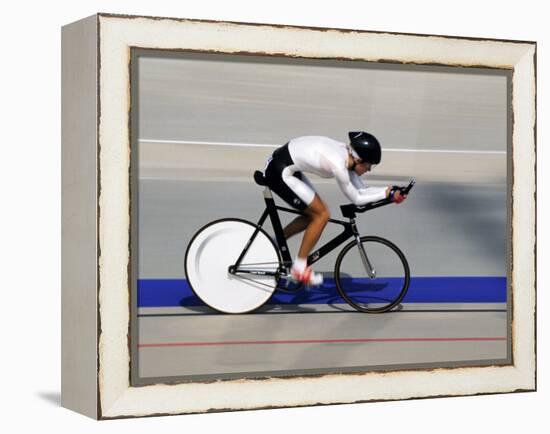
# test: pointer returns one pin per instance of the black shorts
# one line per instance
(273, 174)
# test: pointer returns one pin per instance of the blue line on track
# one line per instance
(448, 289)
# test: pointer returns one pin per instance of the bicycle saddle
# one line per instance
(259, 178)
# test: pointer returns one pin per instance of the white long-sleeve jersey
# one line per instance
(326, 158)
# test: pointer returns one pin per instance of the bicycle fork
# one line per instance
(371, 271)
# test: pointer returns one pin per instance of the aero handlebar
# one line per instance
(408, 187)
(350, 210)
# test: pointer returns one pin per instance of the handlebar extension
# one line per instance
(350, 210)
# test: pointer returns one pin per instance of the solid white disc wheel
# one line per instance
(216, 247)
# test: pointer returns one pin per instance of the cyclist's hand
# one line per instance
(396, 195)
(399, 197)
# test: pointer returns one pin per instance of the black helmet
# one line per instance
(366, 146)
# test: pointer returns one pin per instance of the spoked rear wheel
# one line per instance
(374, 283)
(215, 248)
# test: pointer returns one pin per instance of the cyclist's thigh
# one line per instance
(286, 193)
(306, 181)
(316, 197)
(286, 182)
(294, 181)
(317, 206)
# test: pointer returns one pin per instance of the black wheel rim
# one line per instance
(372, 294)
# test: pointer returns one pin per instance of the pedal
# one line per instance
(288, 284)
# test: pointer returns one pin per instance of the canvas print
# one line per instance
(297, 217)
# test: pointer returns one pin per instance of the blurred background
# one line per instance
(205, 122)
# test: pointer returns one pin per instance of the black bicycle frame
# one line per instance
(271, 211)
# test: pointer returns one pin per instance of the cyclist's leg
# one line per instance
(283, 178)
(300, 223)
(276, 184)
(319, 215)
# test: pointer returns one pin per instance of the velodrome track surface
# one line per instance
(456, 311)
(313, 339)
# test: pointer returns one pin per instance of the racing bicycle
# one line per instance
(235, 266)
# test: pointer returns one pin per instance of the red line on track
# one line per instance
(318, 341)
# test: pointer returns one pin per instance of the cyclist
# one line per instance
(327, 158)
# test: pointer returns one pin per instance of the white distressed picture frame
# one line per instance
(96, 215)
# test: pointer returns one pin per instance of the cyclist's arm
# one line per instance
(357, 182)
(352, 188)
